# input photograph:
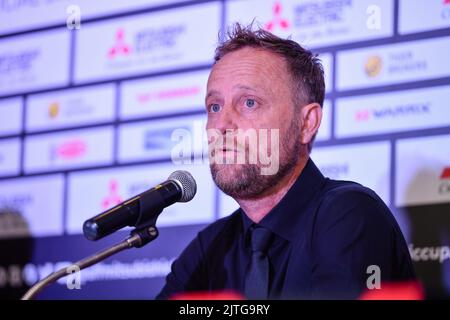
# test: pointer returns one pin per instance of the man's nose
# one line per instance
(227, 120)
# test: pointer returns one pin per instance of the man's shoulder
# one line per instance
(347, 198)
(337, 189)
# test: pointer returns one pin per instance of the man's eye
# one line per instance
(250, 103)
(215, 107)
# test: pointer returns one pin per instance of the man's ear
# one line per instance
(311, 116)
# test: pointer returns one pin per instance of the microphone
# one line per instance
(143, 209)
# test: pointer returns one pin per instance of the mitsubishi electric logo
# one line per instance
(113, 198)
(314, 13)
(277, 20)
(145, 40)
(120, 47)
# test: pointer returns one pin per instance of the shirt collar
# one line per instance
(281, 220)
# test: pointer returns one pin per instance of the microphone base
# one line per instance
(146, 235)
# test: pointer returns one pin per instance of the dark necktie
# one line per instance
(257, 277)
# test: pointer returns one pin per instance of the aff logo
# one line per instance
(277, 20)
(113, 198)
(120, 47)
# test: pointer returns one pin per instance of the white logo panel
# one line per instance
(9, 157)
(32, 62)
(38, 201)
(147, 43)
(93, 192)
(71, 149)
(364, 163)
(391, 64)
(70, 108)
(22, 15)
(11, 116)
(317, 23)
(423, 15)
(423, 171)
(164, 95)
(177, 139)
(393, 112)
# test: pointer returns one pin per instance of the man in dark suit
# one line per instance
(296, 234)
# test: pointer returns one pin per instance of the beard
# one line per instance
(245, 181)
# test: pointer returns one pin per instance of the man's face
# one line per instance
(251, 90)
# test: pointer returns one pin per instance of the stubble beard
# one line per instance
(245, 181)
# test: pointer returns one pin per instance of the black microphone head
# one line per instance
(187, 184)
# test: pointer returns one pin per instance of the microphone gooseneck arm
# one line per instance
(140, 212)
(138, 238)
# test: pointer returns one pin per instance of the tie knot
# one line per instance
(260, 239)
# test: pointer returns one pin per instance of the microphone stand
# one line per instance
(138, 238)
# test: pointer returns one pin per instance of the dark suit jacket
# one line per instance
(329, 237)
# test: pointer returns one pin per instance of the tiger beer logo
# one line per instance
(373, 66)
(53, 110)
